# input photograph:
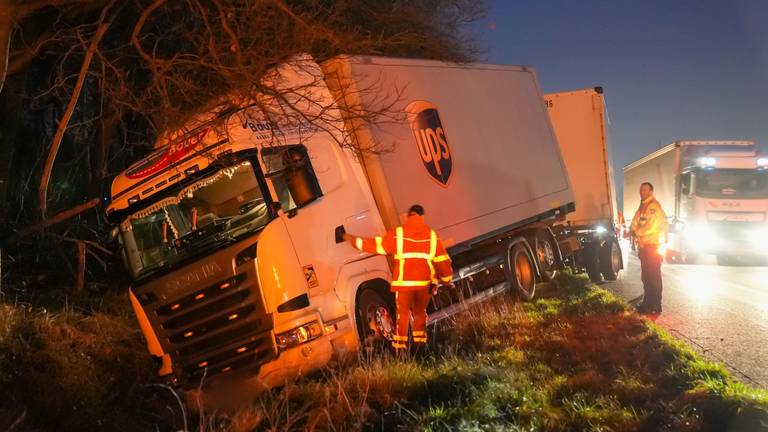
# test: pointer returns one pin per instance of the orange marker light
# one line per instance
(224, 285)
(231, 317)
(202, 364)
(242, 349)
(199, 296)
(188, 334)
(176, 306)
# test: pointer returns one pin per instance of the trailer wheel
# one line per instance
(592, 263)
(376, 319)
(545, 253)
(522, 271)
(610, 260)
(672, 257)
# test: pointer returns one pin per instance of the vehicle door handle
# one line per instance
(340, 231)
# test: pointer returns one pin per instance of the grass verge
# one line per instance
(577, 359)
(75, 364)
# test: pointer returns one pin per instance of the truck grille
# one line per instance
(218, 330)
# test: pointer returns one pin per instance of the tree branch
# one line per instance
(58, 218)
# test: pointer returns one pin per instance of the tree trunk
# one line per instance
(64, 122)
(108, 125)
(6, 28)
(80, 266)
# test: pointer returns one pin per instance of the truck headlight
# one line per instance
(601, 229)
(299, 335)
(702, 237)
(760, 240)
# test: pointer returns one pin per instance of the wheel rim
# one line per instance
(523, 272)
(380, 321)
(546, 254)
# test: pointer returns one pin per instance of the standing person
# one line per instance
(420, 261)
(649, 227)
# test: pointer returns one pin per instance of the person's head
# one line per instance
(416, 210)
(646, 190)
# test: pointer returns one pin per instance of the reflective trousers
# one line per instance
(650, 269)
(411, 303)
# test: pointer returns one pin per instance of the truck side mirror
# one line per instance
(678, 226)
(302, 182)
(112, 237)
(685, 184)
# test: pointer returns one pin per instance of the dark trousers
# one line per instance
(650, 265)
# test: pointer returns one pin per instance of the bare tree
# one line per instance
(152, 66)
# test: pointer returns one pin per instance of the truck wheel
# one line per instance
(672, 257)
(376, 319)
(521, 271)
(592, 263)
(687, 258)
(610, 260)
(545, 253)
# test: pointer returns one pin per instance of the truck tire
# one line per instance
(672, 257)
(680, 257)
(376, 319)
(592, 263)
(688, 258)
(610, 260)
(545, 253)
(521, 271)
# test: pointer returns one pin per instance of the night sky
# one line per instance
(670, 69)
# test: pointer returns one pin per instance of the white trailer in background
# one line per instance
(232, 228)
(715, 194)
(590, 233)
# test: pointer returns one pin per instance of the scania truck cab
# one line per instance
(211, 242)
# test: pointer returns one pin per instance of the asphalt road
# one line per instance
(721, 311)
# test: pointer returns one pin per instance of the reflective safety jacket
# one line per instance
(650, 223)
(420, 257)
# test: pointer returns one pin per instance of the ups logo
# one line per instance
(430, 136)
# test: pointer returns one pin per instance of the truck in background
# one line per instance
(232, 228)
(590, 234)
(715, 194)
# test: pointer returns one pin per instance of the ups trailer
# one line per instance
(589, 236)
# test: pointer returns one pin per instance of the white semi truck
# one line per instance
(589, 236)
(231, 228)
(715, 194)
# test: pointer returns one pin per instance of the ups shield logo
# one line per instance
(431, 140)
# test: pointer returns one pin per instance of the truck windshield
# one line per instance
(215, 210)
(732, 183)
